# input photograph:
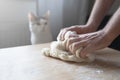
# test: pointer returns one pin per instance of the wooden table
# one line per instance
(27, 63)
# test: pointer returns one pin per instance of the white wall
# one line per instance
(74, 12)
(56, 14)
(63, 13)
(14, 29)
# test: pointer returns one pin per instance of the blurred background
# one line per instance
(14, 27)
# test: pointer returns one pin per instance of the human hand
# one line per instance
(89, 42)
(79, 29)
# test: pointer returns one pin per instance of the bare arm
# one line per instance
(99, 10)
(97, 40)
(112, 29)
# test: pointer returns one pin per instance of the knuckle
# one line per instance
(66, 29)
(70, 40)
(62, 30)
(70, 36)
(75, 45)
(83, 43)
(77, 26)
(73, 27)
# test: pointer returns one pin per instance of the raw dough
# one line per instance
(57, 50)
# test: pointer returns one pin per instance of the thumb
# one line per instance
(86, 50)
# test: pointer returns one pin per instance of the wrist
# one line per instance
(109, 36)
(91, 27)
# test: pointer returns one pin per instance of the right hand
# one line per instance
(89, 42)
(79, 29)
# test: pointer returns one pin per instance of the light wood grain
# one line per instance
(27, 63)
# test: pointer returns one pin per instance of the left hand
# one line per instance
(90, 42)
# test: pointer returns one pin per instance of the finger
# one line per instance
(70, 48)
(73, 47)
(64, 44)
(61, 34)
(72, 35)
(77, 53)
(58, 37)
(77, 45)
(86, 50)
(70, 41)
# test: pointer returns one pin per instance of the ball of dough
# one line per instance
(58, 50)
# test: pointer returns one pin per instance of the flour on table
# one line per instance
(57, 50)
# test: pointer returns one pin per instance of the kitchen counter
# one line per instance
(27, 63)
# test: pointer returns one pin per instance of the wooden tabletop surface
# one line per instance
(27, 63)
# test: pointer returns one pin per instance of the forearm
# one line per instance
(112, 29)
(98, 12)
